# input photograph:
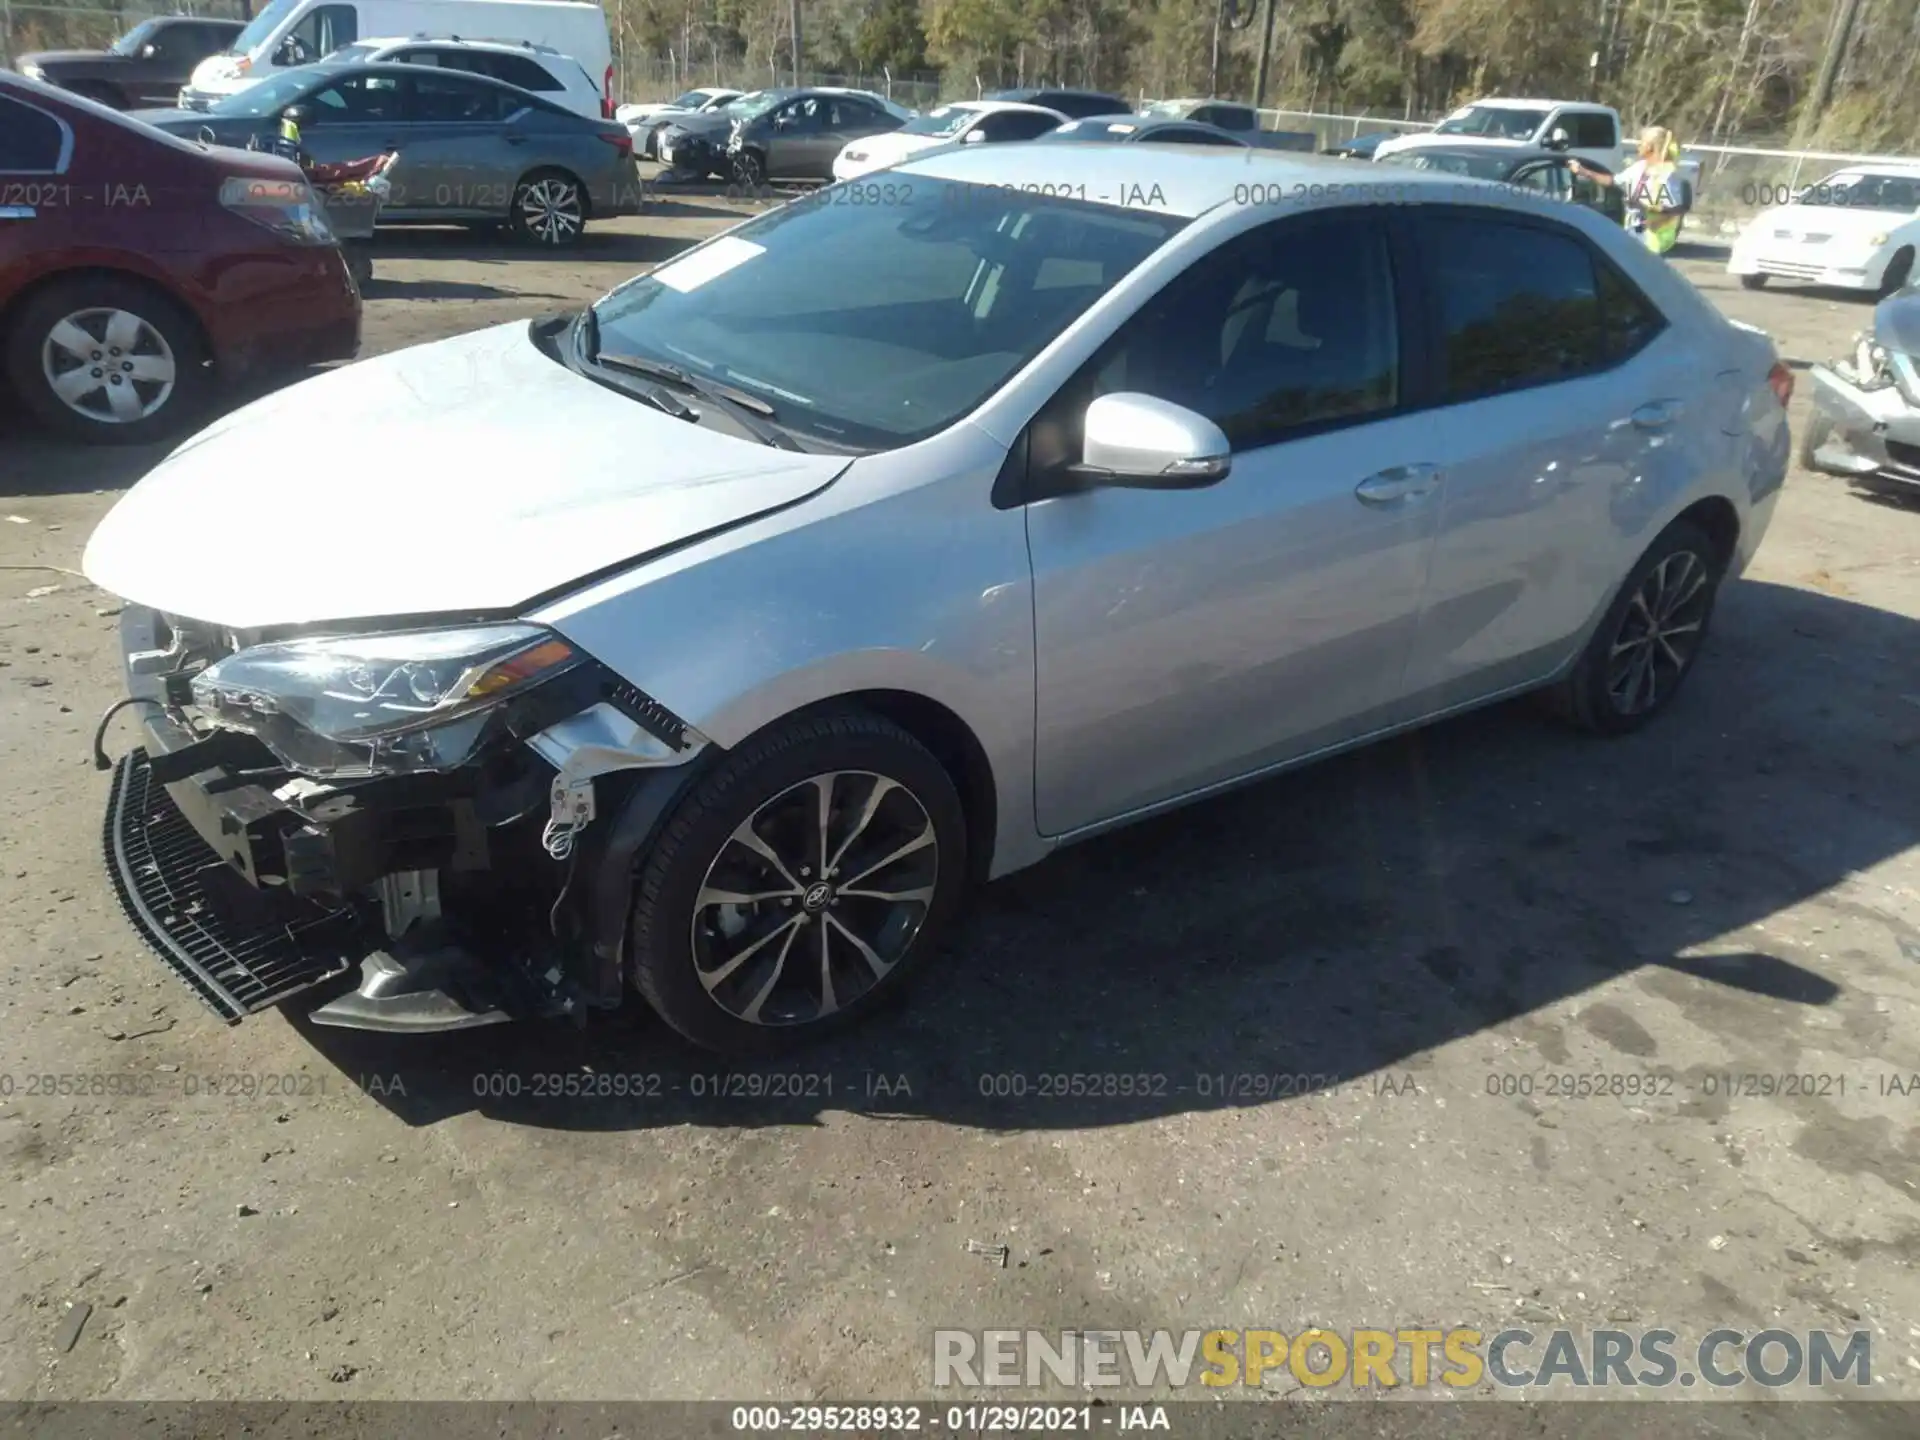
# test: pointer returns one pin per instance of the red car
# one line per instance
(137, 271)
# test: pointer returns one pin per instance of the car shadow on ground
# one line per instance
(380, 288)
(1332, 927)
(499, 248)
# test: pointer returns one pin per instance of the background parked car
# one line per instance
(1856, 230)
(646, 122)
(471, 149)
(1545, 171)
(1235, 119)
(106, 335)
(800, 137)
(1138, 130)
(695, 144)
(1866, 404)
(1074, 104)
(1360, 147)
(538, 69)
(145, 66)
(966, 122)
(289, 33)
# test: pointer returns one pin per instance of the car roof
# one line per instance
(995, 107)
(1509, 103)
(1514, 154)
(1031, 90)
(1139, 129)
(1183, 180)
(517, 47)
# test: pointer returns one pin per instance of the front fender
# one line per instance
(900, 577)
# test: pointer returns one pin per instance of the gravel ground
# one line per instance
(1431, 929)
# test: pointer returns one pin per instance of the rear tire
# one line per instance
(141, 347)
(1646, 645)
(1753, 282)
(549, 210)
(790, 960)
(1898, 270)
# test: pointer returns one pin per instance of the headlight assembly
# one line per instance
(1867, 366)
(379, 704)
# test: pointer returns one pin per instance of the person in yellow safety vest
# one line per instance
(1652, 187)
(289, 131)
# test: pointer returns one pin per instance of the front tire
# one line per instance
(107, 361)
(549, 209)
(797, 885)
(1898, 270)
(1646, 645)
(1819, 430)
(749, 171)
(1753, 282)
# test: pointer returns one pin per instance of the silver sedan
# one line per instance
(909, 532)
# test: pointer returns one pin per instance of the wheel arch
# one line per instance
(41, 283)
(1716, 515)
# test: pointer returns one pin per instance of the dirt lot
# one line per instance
(1433, 930)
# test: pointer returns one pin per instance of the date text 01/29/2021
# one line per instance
(978, 1419)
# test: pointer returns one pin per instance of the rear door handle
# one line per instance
(1657, 414)
(1400, 483)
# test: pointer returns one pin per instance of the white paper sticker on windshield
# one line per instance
(708, 262)
(1123, 129)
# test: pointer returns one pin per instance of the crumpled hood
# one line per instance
(472, 474)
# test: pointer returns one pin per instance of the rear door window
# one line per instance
(527, 74)
(1519, 305)
(32, 142)
(1591, 132)
(448, 99)
(358, 99)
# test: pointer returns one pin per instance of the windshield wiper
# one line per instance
(737, 403)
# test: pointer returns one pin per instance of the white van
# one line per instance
(298, 32)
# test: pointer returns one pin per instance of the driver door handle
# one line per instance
(1397, 484)
(1657, 414)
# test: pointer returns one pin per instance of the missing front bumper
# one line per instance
(242, 949)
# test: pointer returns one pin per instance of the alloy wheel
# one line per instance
(1659, 633)
(550, 210)
(815, 898)
(108, 365)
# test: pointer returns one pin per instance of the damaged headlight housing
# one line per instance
(337, 706)
(1867, 366)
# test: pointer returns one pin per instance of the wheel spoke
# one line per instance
(920, 895)
(752, 1013)
(714, 896)
(1695, 580)
(123, 331)
(750, 838)
(829, 1002)
(718, 975)
(1666, 645)
(919, 842)
(70, 338)
(124, 401)
(156, 369)
(881, 788)
(73, 386)
(879, 967)
(823, 816)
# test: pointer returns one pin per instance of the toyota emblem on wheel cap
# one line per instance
(817, 896)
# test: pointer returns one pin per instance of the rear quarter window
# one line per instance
(32, 141)
(527, 74)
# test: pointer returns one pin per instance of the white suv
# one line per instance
(539, 68)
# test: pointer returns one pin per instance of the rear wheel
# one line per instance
(1752, 282)
(549, 209)
(796, 886)
(1645, 646)
(107, 360)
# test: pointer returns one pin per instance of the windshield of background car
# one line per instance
(1168, 109)
(265, 98)
(1092, 130)
(873, 326)
(346, 54)
(130, 43)
(692, 100)
(1864, 190)
(1494, 122)
(1477, 167)
(947, 120)
(752, 107)
(263, 25)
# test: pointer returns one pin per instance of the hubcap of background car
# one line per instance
(551, 210)
(815, 898)
(108, 365)
(1658, 635)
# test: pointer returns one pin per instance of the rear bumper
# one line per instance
(1875, 433)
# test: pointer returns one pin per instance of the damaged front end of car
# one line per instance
(1866, 405)
(454, 808)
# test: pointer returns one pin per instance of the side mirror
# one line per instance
(1559, 139)
(974, 137)
(1141, 442)
(149, 50)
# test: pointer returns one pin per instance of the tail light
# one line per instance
(606, 107)
(1780, 381)
(619, 139)
(289, 208)
(606, 92)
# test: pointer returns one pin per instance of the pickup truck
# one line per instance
(1242, 121)
(144, 67)
(1588, 132)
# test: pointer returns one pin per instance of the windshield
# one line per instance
(1092, 130)
(1174, 109)
(1864, 190)
(266, 98)
(870, 327)
(758, 103)
(1494, 121)
(262, 25)
(1478, 167)
(692, 100)
(131, 42)
(947, 120)
(349, 53)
